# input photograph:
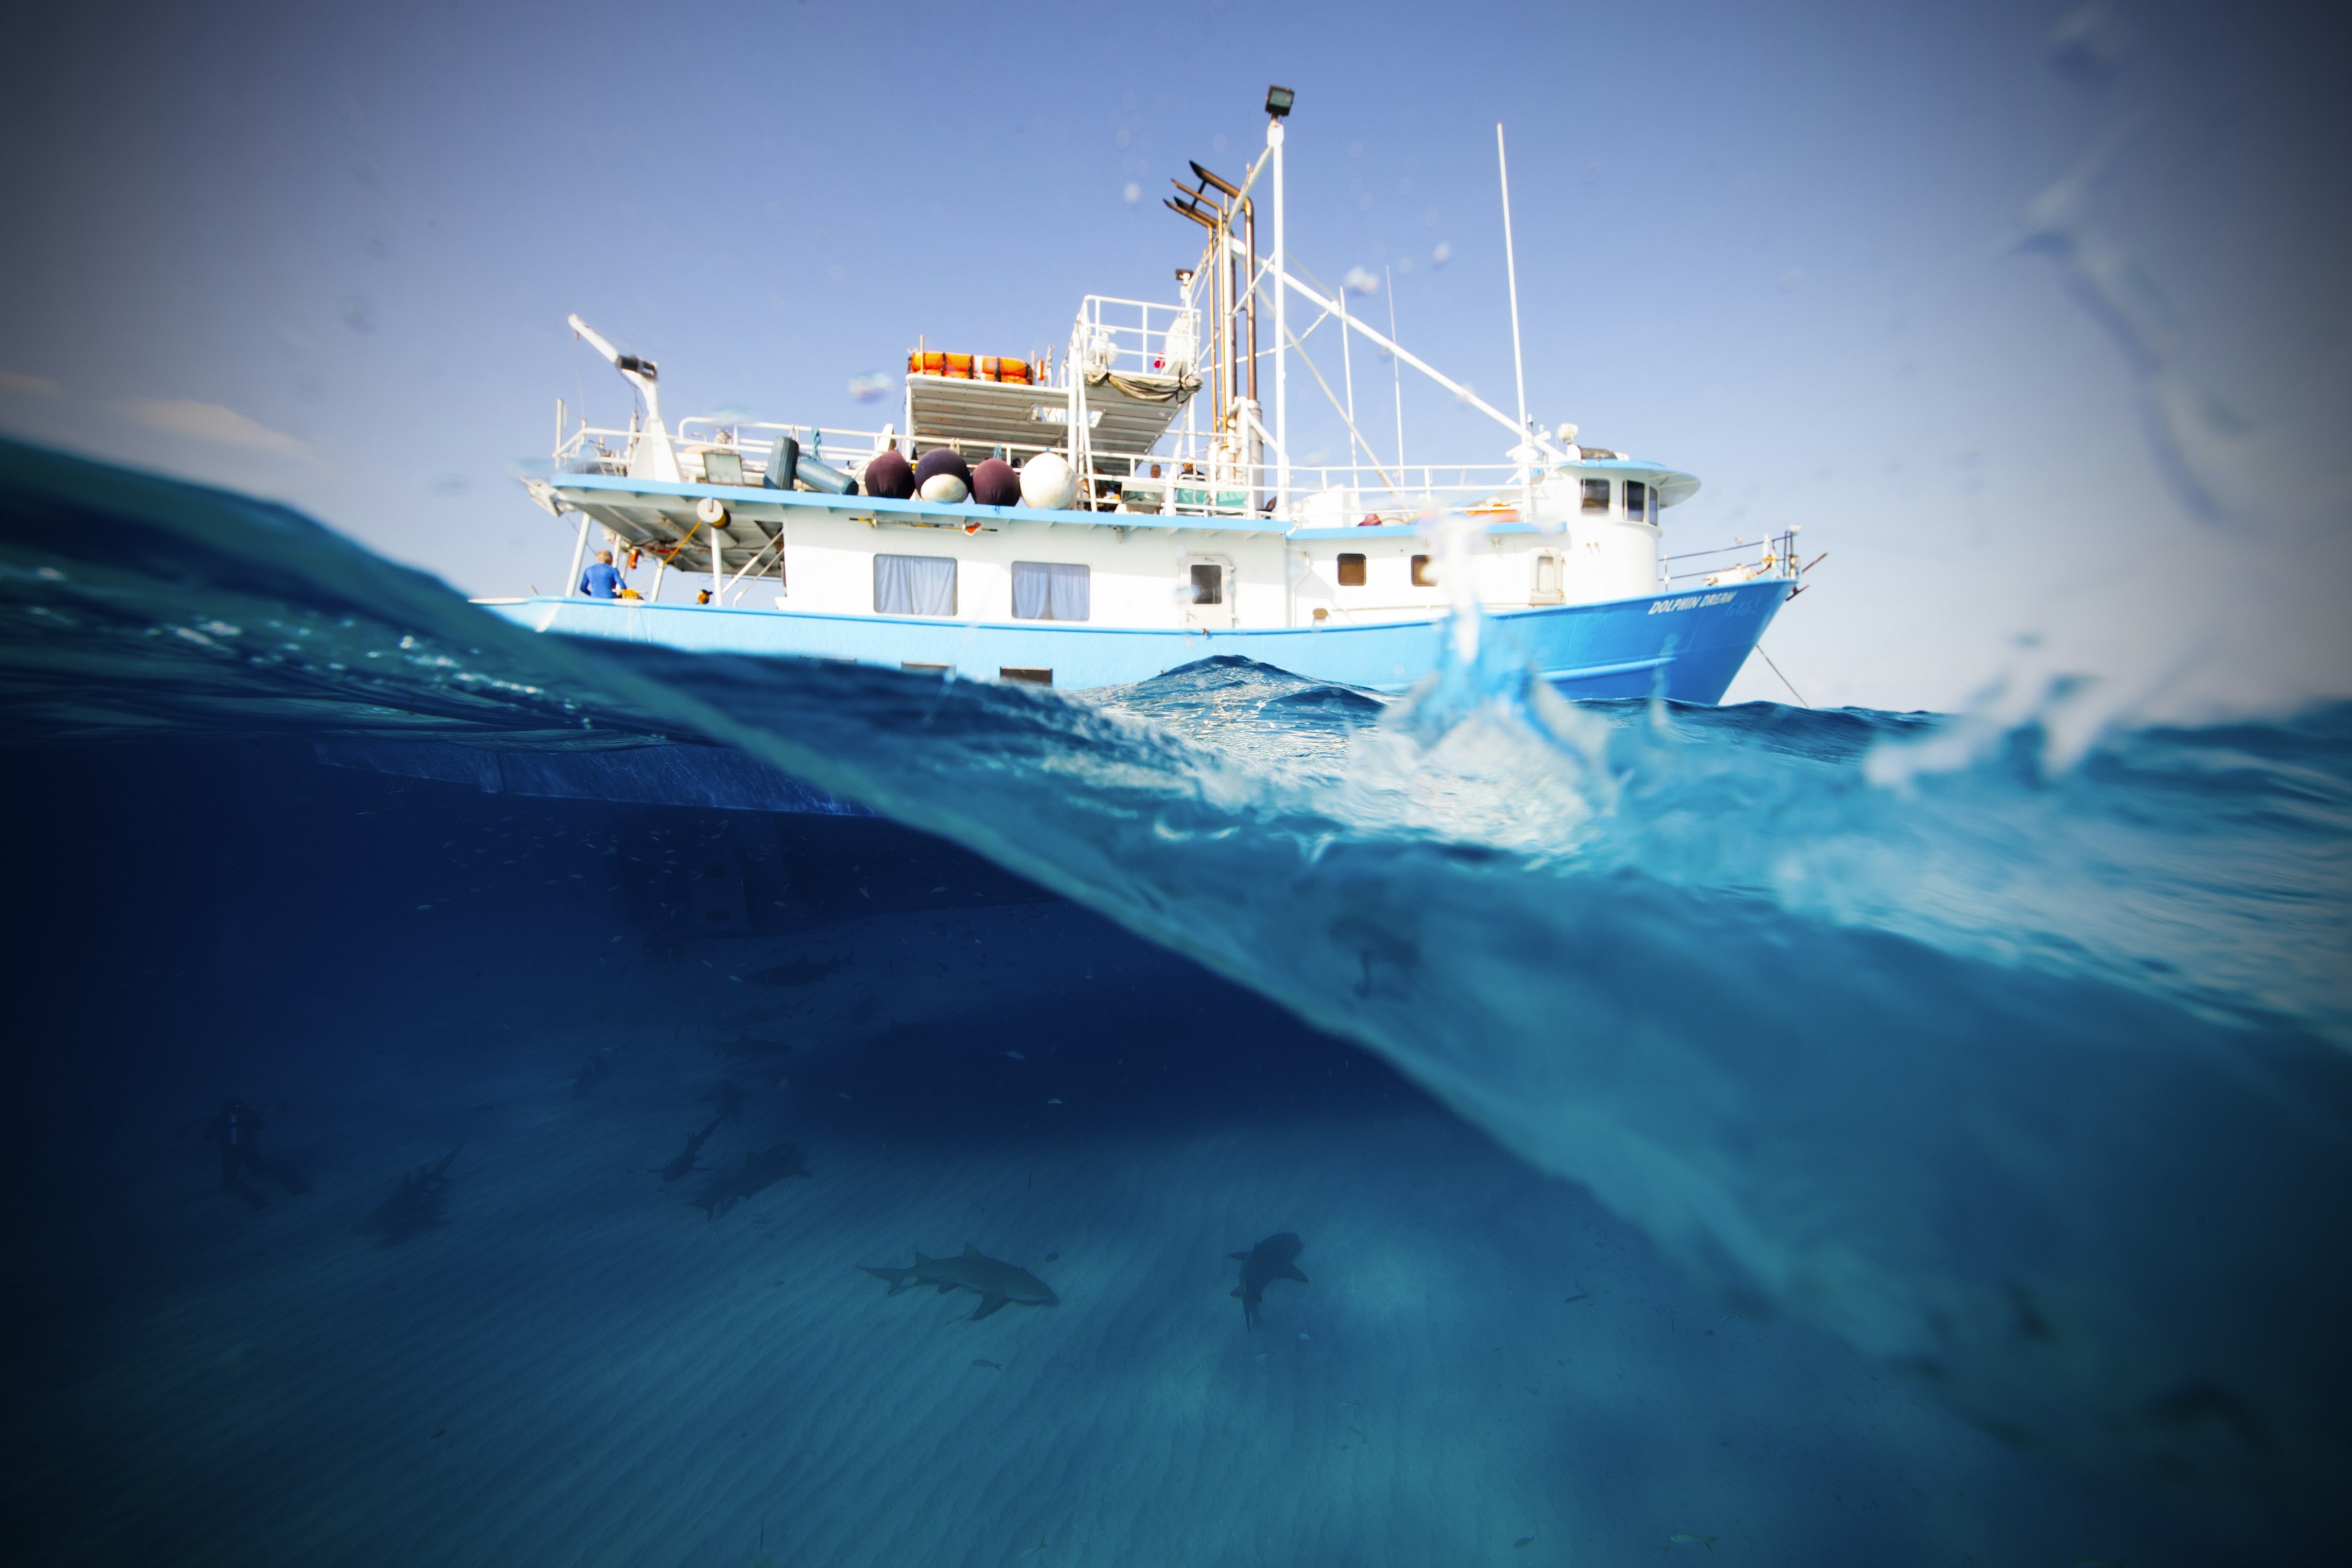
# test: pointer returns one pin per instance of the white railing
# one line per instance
(1134, 337)
(1203, 485)
(1774, 555)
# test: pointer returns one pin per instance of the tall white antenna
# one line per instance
(1348, 370)
(1396, 364)
(1511, 263)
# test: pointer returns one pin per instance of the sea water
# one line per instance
(1746, 1135)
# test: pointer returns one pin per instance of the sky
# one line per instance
(2028, 315)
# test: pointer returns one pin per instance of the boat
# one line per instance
(1129, 505)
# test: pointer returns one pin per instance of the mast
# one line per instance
(1273, 138)
(1519, 363)
(1396, 365)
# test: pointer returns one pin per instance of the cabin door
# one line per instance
(1206, 592)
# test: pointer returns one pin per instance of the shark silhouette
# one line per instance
(414, 1207)
(761, 1169)
(1276, 1257)
(685, 1161)
(995, 1283)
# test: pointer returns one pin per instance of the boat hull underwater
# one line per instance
(1685, 647)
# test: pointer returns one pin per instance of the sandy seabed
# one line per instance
(577, 1365)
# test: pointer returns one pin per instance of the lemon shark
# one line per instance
(1276, 1257)
(995, 1283)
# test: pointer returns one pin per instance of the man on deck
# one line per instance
(603, 579)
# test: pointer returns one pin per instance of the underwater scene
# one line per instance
(480, 1098)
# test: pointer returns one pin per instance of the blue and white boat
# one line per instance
(1104, 516)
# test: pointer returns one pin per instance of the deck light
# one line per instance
(1278, 100)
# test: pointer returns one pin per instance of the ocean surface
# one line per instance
(1730, 1136)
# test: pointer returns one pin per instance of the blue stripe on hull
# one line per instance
(1687, 645)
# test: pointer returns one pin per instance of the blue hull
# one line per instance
(1687, 646)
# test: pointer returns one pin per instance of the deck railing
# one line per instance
(1134, 337)
(1202, 486)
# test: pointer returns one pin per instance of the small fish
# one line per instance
(1572, 1300)
(1053, 1102)
(1524, 1540)
(989, 1364)
(1016, 1056)
(1683, 1538)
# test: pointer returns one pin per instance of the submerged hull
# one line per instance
(1685, 647)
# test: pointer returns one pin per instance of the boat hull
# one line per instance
(1685, 647)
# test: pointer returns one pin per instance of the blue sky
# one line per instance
(327, 255)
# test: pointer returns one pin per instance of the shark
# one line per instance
(1276, 1257)
(993, 1282)
(685, 1161)
(414, 1207)
(761, 1169)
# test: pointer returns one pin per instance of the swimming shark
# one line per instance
(761, 1169)
(1276, 1257)
(995, 1283)
(685, 1161)
(414, 1207)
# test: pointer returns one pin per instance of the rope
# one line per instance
(1784, 679)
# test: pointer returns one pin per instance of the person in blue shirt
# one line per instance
(603, 579)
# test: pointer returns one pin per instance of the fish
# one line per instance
(414, 1207)
(993, 1282)
(685, 1161)
(593, 1071)
(761, 1169)
(1524, 1540)
(1276, 1257)
(1683, 1538)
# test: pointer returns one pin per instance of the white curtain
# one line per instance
(914, 585)
(1047, 591)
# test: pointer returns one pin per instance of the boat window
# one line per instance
(914, 585)
(1208, 583)
(1421, 574)
(1026, 677)
(1637, 503)
(1050, 591)
(1596, 495)
(1351, 571)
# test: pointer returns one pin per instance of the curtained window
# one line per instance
(1048, 591)
(914, 585)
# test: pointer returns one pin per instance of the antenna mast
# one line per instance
(1397, 366)
(1511, 265)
